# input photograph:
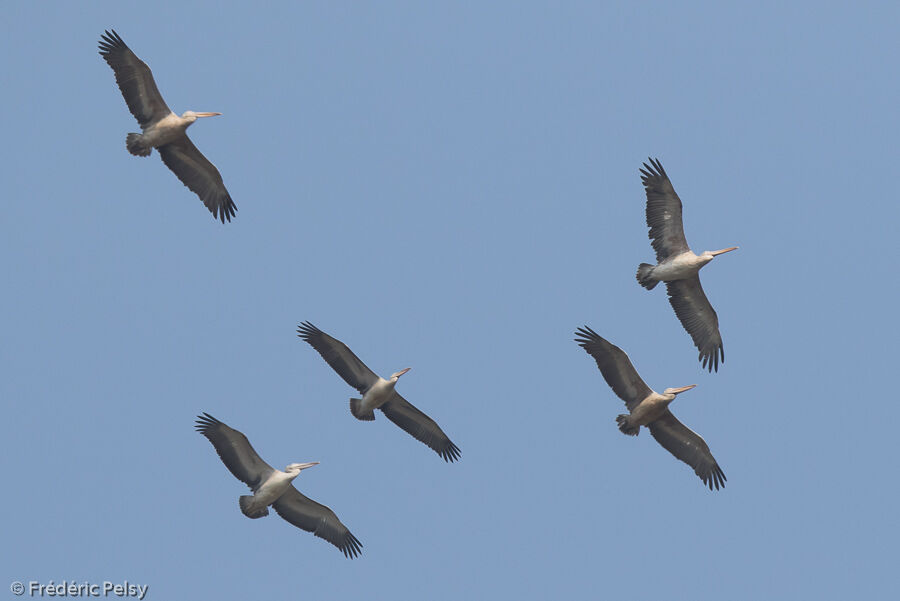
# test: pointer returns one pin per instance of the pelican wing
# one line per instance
(689, 447)
(615, 366)
(306, 514)
(234, 450)
(339, 357)
(199, 175)
(420, 426)
(698, 318)
(135, 80)
(663, 212)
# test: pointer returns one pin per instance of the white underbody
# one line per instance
(270, 490)
(167, 129)
(680, 267)
(650, 409)
(376, 396)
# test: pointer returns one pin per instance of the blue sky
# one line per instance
(453, 187)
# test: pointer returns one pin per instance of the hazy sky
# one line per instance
(453, 187)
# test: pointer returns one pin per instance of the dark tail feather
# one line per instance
(135, 145)
(246, 503)
(645, 277)
(626, 427)
(358, 413)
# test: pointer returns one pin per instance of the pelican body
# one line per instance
(650, 409)
(257, 505)
(679, 267)
(274, 487)
(378, 393)
(164, 130)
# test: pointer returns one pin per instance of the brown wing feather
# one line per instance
(615, 366)
(688, 446)
(698, 318)
(234, 450)
(135, 80)
(306, 514)
(199, 175)
(663, 212)
(339, 356)
(420, 426)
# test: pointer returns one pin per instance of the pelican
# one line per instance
(650, 409)
(163, 129)
(273, 487)
(377, 393)
(678, 266)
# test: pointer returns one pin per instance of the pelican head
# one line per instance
(191, 116)
(396, 375)
(677, 391)
(299, 467)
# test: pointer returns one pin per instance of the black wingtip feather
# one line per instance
(205, 422)
(226, 211)
(351, 547)
(306, 330)
(654, 169)
(586, 335)
(450, 453)
(110, 41)
(715, 479)
(710, 360)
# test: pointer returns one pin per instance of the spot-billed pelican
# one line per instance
(273, 487)
(678, 266)
(377, 393)
(650, 409)
(163, 129)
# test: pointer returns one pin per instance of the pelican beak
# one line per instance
(723, 251)
(207, 114)
(683, 389)
(303, 466)
(403, 371)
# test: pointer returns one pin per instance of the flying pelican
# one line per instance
(377, 393)
(273, 487)
(650, 409)
(678, 266)
(163, 129)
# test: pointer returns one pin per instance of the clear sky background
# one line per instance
(453, 187)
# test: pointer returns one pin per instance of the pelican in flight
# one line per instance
(163, 129)
(650, 409)
(377, 393)
(273, 487)
(678, 266)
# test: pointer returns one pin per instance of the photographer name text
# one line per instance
(68, 588)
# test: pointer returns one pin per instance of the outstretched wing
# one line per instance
(339, 357)
(689, 447)
(663, 212)
(420, 426)
(234, 450)
(135, 80)
(306, 514)
(698, 318)
(199, 175)
(615, 366)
